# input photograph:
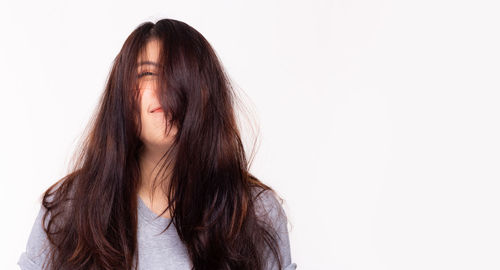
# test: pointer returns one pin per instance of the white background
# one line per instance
(379, 120)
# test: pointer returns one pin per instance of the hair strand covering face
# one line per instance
(92, 211)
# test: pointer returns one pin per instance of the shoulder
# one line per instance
(37, 246)
(269, 208)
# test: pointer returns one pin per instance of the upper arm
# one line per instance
(269, 206)
(36, 248)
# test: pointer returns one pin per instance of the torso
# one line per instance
(158, 205)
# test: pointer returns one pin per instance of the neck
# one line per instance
(149, 169)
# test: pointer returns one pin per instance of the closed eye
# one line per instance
(145, 73)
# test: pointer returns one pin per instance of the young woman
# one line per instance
(163, 149)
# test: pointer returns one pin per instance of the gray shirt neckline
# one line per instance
(150, 217)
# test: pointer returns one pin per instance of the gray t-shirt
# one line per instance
(165, 250)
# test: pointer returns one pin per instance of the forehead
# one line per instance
(150, 53)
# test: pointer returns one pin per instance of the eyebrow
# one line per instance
(148, 63)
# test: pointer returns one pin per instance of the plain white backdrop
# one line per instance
(379, 119)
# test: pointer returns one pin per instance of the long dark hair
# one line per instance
(92, 211)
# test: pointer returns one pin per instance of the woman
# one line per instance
(163, 149)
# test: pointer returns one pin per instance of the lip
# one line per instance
(157, 109)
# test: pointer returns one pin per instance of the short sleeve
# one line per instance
(36, 248)
(269, 206)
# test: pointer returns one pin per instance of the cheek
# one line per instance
(147, 85)
(145, 99)
(149, 96)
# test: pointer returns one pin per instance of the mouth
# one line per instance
(157, 109)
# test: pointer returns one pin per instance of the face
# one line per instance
(153, 122)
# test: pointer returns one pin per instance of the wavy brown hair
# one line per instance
(91, 217)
